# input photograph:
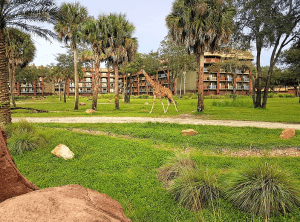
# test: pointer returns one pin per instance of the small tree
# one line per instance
(291, 58)
(177, 60)
(20, 51)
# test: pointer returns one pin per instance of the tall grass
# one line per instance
(23, 136)
(264, 190)
(234, 103)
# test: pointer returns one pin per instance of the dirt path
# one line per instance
(184, 120)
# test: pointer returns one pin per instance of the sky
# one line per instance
(148, 17)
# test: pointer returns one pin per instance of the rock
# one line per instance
(12, 182)
(109, 101)
(90, 111)
(146, 103)
(82, 104)
(143, 110)
(63, 151)
(287, 134)
(65, 203)
(189, 132)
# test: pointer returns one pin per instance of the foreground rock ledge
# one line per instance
(12, 182)
(66, 203)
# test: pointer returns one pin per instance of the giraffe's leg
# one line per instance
(175, 104)
(162, 104)
(154, 98)
(168, 105)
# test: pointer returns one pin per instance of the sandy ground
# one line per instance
(180, 120)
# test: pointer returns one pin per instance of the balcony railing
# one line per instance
(246, 79)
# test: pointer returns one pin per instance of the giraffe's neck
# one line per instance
(149, 80)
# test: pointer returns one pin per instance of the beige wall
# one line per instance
(190, 81)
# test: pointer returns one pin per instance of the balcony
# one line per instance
(239, 79)
(229, 79)
(246, 79)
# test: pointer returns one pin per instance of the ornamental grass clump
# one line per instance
(174, 168)
(23, 136)
(264, 190)
(195, 189)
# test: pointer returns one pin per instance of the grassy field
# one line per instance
(124, 164)
(278, 109)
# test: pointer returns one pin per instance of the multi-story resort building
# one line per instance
(218, 82)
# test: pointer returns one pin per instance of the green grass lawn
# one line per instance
(124, 165)
(278, 109)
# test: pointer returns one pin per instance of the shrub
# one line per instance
(176, 165)
(195, 189)
(233, 103)
(23, 136)
(264, 190)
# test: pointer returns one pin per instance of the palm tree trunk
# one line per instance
(200, 105)
(95, 86)
(116, 85)
(76, 79)
(5, 114)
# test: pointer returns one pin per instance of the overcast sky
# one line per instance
(148, 16)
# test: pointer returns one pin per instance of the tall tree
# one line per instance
(69, 30)
(200, 26)
(272, 23)
(117, 43)
(23, 14)
(20, 51)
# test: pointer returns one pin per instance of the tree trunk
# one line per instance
(76, 79)
(5, 114)
(127, 91)
(59, 91)
(116, 85)
(65, 91)
(259, 76)
(234, 86)
(180, 94)
(11, 83)
(265, 99)
(184, 83)
(200, 105)
(95, 86)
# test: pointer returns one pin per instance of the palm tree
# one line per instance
(200, 26)
(68, 28)
(117, 43)
(23, 14)
(19, 51)
(93, 36)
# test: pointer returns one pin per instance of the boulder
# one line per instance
(189, 132)
(287, 133)
(65, 203)
(12, 182)
(90, 111)
(82, 104)
(109, 101)
(146, 103)
(63, 151)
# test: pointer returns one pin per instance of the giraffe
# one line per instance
(159, 91)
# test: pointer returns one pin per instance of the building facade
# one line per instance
(221, 81)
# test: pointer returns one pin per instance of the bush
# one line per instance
(176, 165)
(264, 190)
(233, 103)
(23, 136)
(195, 189)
